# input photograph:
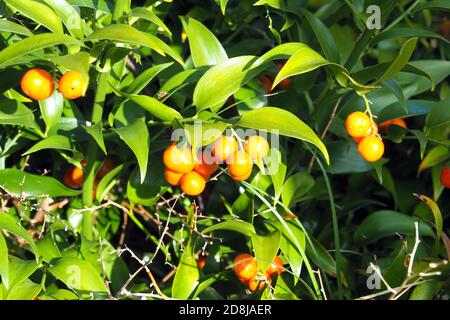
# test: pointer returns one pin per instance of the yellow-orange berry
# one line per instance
(193, 183)
(223, 147)
(71, 85)
(37, 84)
(173, 178)
(239, 164)
(371, 148)
(178, 160)
(257, 147)
(357, 124)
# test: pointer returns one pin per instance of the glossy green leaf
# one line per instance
(223, 6)
(51, 109)
(24, 184)
(433, 5)
(295, 187)
(186, 276)
(147, 192)
(127, 34)
(105, 183)
(281, 51)
(220, 82)
(323, 35)
(439, 114)
(47, 248)
(435, 156)
(38, 12)
(206, 50)
(266, 248)
(287, 245)
(407, 33)
(12, 225)
(155, 107)
(278, 177)
(286, 123)
(68, 15)
(96, 132)
(321, 257)
(55, 142)
(77, 274)
(426, 290)
(4, 261)
(15, 113)
(438, 222)
(121, 7)
(374, 227)
(149, 15)
(9, 26)
(60, 294)
(102, 5)
(242, 227)
(146, 77)
(401, 60)
(26, 290)
(137, 137)
(10, 55)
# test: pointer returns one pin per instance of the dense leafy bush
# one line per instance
(323, 206)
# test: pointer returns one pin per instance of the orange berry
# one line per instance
(243, 177)
(445, 177)
(275, 267)
(223, 147)
(371, 148)
(178, 160)
(245, 267)
(239, 164)
(37, 84)
(266, 82)
(106, 167)
(71, 85)
(399, 122)
(257, 147)
(193, 183)
(173, 178)
(258, 282)
(73, 178)
(371, 132)
(201, 262)
(205, 168)
(358, 124)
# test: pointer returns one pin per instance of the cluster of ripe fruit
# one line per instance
(39, 85)
(365, 133)
(183, 169)
(246, 269)
(73, 177)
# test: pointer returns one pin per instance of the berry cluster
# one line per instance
(182, 167)
(73, 177)
(38, 84)
(365, 132)
(246, 269)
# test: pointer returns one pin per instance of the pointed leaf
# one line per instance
(24, 184)
(206, 50)
(286, 123)
(38, 12)
(137, 137)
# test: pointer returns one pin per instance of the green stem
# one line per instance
(89, 173)
(337, 244)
